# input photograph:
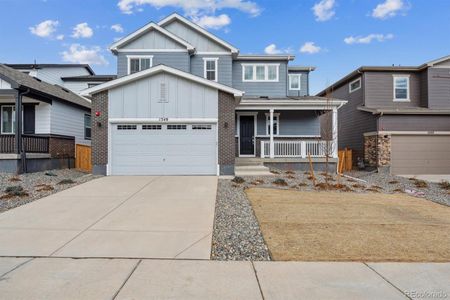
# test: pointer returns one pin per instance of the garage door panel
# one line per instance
(413, 155)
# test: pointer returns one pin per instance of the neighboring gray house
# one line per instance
(187, 102)
(40, 123)
(397, 117)
(75, 77)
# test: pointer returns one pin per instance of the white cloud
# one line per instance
(388, 8)
(272, 49)
(368, 39)
(214, 22)
(82, 55)
(117, 28)
(324, 10)
(310, 48)
(82, 30)
(192, 7)
(60, 37)
(45, 29)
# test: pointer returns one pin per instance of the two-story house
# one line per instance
(397, 117)
(187, 102)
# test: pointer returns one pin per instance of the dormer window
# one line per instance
(137, 63)
(294, 82)
(210, 68)
(354, 85)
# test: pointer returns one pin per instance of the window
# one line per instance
(294, 81)
(401, 88)
(87, 127)
(176, 127)
(210, 68)
(201, 127)
(126, 127)
(354, 85)
(151, 127)
(8, 119)
(260, 72)
(276, 119)
(139, 63)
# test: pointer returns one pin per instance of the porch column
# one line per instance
(272, 146)
(335, 133)
(18, 124)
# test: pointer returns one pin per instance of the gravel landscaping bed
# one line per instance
(17, 190)
(237, 235)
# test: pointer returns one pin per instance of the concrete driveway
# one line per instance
(121, 217)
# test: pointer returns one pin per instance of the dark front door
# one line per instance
(247, 135)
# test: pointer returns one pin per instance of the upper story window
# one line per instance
(210, 68)
(354, 85)
(87, 126)
(401, 87)
(294, 82)
(260, 72)
(138, 63)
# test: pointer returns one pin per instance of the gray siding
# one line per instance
(413, 123)
(424, 88)
(184, 99)
(271, 89)
(379, 90)
(224, 67)
(153, 40)
(304, 84)
(199, 41)
(177, 60)
(439, 88)
(292, 123)
(68, 120)
(53, 75)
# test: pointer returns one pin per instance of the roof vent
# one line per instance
(264, 97)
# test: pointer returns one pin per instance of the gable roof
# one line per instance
(40, 66)
(143, 30)
(20, 79)
(199, 29)
(435, 62)
(264, 57)
(158, 69)
(93, 78)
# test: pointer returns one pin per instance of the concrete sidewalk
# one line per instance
(65, 278)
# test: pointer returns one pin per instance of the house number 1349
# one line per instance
(163, 119)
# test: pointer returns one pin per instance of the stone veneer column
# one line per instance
(384, 150)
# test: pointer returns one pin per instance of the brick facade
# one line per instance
(61, 147)
(226, 129)
(99, 133)
(377, 150)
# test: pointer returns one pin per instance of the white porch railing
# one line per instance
(297, 148)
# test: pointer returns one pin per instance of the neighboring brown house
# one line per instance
(397, 117)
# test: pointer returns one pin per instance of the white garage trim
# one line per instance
(161, 120)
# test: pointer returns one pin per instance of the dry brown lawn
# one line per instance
(333, 226)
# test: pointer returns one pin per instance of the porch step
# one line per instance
(247, 161)
(252, 170)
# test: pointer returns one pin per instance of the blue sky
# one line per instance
(336, 36)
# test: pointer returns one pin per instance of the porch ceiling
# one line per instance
(290, 103)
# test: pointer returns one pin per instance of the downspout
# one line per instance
(19, 145)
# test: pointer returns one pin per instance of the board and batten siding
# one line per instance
(42, 118)
(177, 60)
(224, 66)
(269, 88)
(301, 123)
(4, 85)
(304, 88)
(439, 88)
(153, 40)
(184, 99)
(379, 90)
(198, 40)
(68, 120)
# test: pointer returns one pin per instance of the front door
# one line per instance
(247, 135)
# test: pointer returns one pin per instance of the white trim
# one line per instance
(299, 82)
(266, 72)
(255, 117)
(289, 136)
(155, 70)
(196, 27)
(352, 82)
(159, 121)
(277, 115)
(437, 61)
(408, 95)
(130, 57)
(215, 59)
(144, 29)
(149, 50)
(406, 133)
(212, 53)
(13, 118)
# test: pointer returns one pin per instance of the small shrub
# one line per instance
(302, 184)
(274, 172)
(50, 174)
(445, 185)
(322, 186)
(372, 190)
(393, 182)
(398, 191)
(16, 190)
(66, 181)
(420, 183)
(351, 180)
(310, 177)
(358, 186)
(44, 188)
(376, 187)
(290, 172)
(6, 196)
(238, 180)
(280, 181)
(15, 179)
(290, 177)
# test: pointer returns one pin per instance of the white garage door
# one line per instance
(163, 149)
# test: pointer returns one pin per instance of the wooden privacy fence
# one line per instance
(83, 158)
(345, 160)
